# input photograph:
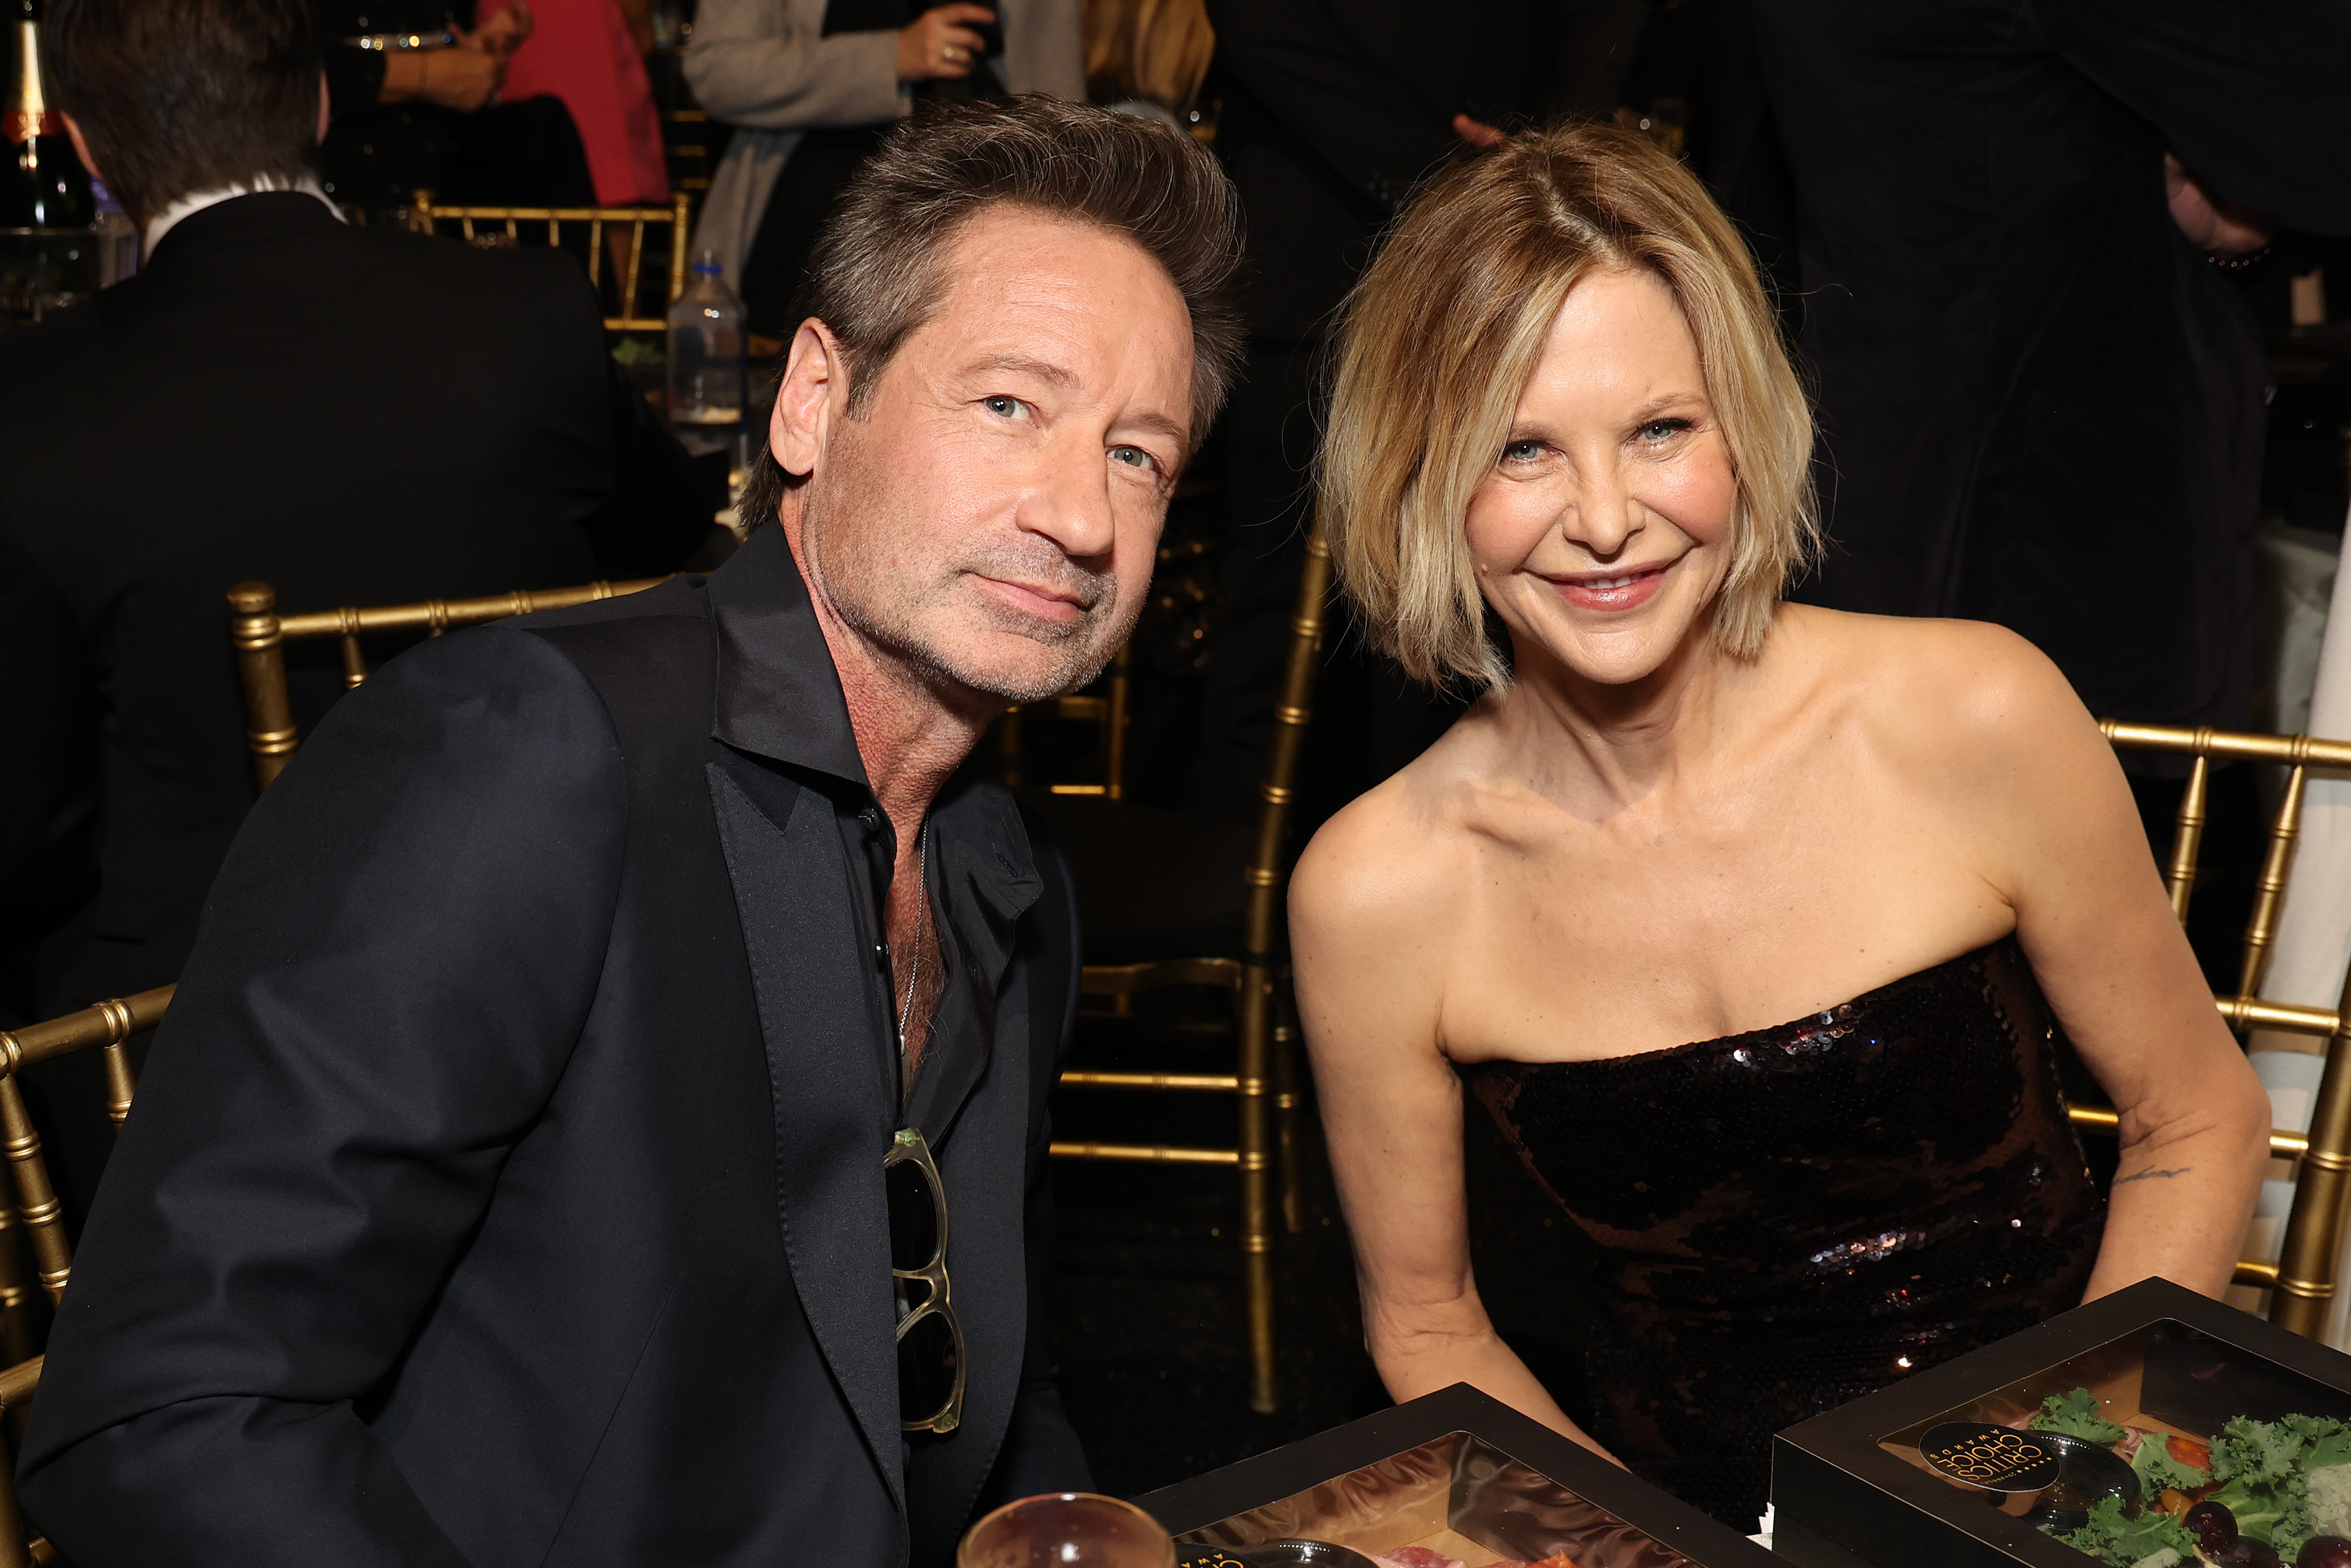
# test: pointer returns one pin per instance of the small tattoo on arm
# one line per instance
(2142, 1176)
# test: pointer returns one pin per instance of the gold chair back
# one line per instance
(35, 1211)
(1266, 1080)
(2303, 1281)
(1106, 709)
(260, 635)
(430, 217)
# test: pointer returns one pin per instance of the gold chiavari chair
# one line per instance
(2302, 1282)
(512, 223)
(260, 635)
(1265, 1081)
(35, 1214)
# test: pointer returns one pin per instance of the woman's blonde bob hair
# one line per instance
(1437, 342)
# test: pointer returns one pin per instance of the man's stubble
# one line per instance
(846, 516)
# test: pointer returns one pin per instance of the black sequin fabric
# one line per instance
(1794, 1217)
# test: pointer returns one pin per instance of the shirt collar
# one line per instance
(188, 206)
(778, 695)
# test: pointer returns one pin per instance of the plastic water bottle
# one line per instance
(705, 357)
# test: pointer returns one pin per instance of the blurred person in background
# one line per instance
(811, 85)
(592, 54)
(418, 106)
(1332, 111)
(2040, 392)
(356, 416)
(1148, 56)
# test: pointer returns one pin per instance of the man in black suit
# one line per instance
(354, 415)
(1333, 110)
(513, 1181)
(2040, 394)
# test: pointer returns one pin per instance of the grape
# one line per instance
(2214, 1527)
(2246, 1553)
(2325, 1551)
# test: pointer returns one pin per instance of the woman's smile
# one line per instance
(1613, 591)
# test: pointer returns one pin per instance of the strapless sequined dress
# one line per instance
(1795, 1217)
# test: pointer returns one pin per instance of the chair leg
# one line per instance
(1256, 1146)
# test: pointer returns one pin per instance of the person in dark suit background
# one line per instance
(2040, 395)
(1331, 113)
(531, 1168)
(356, 416)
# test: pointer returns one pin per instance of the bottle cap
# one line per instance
(706, 266)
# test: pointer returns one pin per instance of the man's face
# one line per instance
(993, 516)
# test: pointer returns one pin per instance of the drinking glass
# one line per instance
(1067, 1530)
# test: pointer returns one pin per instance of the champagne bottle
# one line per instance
(42, 183)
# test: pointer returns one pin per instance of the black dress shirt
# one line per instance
(506, 1185)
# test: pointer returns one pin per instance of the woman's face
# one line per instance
(1603, 529)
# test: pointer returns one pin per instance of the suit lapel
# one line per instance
(827, 1071)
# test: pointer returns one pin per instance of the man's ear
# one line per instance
(326, 109)
(81, 148)
(813, 392)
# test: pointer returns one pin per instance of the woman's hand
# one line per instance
(462, 78)
(505, 31)
(939, 45)
(2216, 226)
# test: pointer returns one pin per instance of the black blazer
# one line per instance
(505, 1184)
(355, 415)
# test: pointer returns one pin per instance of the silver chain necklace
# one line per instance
(922, 910)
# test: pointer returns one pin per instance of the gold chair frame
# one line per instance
(678, 215)
(1109, 710)
(1267, 1081)
(105, 1026)
(260, 635)
(2303, 1281)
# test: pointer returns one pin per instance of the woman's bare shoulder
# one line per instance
(1939, 686)
(1392, 857)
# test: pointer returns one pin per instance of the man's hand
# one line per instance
(937, 45)
(2217, 226)
(1476, 132)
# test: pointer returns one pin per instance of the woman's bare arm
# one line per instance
(2098, 929)
(1367, 927)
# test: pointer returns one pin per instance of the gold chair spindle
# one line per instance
(681, 225)
(2308, 1263)
(355, 670)
(121, 1081)
(636, 258)
(2271, 893)
(259, 638)
(1260, 940)
(37, 1200)
(2188, 835)
(17, 1386)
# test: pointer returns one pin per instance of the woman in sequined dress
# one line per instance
(1683, 813)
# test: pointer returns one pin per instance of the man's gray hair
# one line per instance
(877, 271)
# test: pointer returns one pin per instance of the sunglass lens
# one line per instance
(914, 1218)
(927, 1368)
